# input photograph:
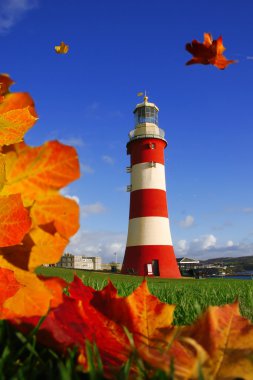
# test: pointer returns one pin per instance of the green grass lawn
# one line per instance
(190, 296)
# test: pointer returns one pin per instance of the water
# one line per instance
(238, 276)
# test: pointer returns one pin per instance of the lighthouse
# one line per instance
(149, 249)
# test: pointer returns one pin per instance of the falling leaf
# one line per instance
(62, 49)
(14, 220)
(210, 52)
(5, 83)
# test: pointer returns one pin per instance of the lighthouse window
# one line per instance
(151, 145)
(146, 115)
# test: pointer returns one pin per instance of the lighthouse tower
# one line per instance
(149, 249)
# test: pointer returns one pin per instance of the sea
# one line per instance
(237, 276)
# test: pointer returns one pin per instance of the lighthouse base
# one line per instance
(151, 260)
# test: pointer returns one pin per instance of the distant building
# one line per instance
(80, 262)
(188, 266)
(192, 267)
(187, 263)
(108, 266)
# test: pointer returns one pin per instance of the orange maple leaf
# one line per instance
(36, 221)
(141, 312)
(99, 316)
(62, 212)
(150, 322)
(40, 170)
(8, 288)
(34, 297)
(210, 52)
(17, 113)
(15, 221)
(5, 83)
(228, 339)
(74, 321)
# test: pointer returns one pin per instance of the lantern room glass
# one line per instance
(146, 115)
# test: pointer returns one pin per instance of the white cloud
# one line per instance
(99, 243)
(187, 222)
(93, 208)
(206, 247)
(74, 197)
(86, 169)
(249, 57)
(181, 246)
(73, 141)
(11, 11)
(108, 160)
(248, 210)
(203, 243)
(65, 192)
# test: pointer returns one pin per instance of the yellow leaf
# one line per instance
(56, 209)
(39, 170)
(228, 339)
(47, 248)
(37, 248)
(62, 49)
(33, 298)
(17, 116)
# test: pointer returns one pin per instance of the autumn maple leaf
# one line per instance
(227, 337)
(62, 48)
(36, 221)
(103, 317)
(210, 52)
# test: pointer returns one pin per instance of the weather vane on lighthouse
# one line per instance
(149, 249)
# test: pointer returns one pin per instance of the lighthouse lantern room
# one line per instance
(149, 249)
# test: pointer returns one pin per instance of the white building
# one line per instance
(80, 262)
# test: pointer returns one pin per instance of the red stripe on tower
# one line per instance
(149, 249)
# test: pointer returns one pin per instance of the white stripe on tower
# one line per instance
(144, 176)
(149, 230)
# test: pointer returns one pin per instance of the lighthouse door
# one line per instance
(155, 266)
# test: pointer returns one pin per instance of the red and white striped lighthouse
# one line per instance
(149, 249)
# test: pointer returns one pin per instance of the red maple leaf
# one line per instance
(210, 52)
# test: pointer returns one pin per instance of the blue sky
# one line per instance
(86, 99)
